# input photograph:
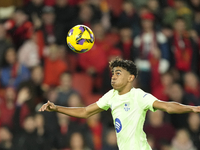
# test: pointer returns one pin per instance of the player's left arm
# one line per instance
(175, 108)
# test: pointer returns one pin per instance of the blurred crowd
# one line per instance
(161, 36)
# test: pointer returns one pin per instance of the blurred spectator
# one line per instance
(34, 7)
(77, 142)
(180, 9)
(74, 100)
(28, 53)
(102, 39)
(39, 124)
(166, 146)
(21, 109)
(24, 124)
(6, 138)
(154, 7)
(41, 131)
(4, 42)
(126, 43)
(49, 28)
(182, 141)
(192, 88)
(96, 130)
(158, 129)
(152, 53)
(110, 140)
(176, 94)
(7, 107)
(62, 137)
(129, 17)
(37, 77)
(19, 28)
(35, 85)
(53, 67)
(144, 9)
(194, 4)
(185, 49)
(194, 128)
(65, 15)
(85, 16)
(13, 73)
(196, 23)
(27, 137)
(65, 89)
(51, 120)
(89, 62)
(161, 90)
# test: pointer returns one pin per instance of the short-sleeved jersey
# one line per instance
(129, 112)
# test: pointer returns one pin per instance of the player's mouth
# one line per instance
(112, 83)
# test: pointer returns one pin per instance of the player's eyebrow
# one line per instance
(116, 71)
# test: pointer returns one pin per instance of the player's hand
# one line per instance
(49, 106)
(196, 109)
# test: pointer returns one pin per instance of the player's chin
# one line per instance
(114, 86)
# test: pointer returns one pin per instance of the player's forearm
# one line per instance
(79, 112)
(177, 108)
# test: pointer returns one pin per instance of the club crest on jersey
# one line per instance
(126, 106)
(118, 125)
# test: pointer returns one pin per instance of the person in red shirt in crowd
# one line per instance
(11, 103)
(95, 60)
(161, 90)
(19, 28)
(96, 130)
(185, 49)
(192, 88)
(158, 129)
(126, 43)
(53, 67)
(48, 25)
(7, 107)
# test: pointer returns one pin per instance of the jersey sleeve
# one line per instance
(146, 100)
(103, 102)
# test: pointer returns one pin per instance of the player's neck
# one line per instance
(124, 91)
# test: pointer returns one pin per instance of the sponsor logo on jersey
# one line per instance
(118, 125)
(127, 106)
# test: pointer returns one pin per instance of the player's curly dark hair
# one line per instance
(125, 64)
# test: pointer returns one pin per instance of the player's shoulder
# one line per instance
(139, 92)
(110, 93)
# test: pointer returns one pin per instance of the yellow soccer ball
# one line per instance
(80, 39)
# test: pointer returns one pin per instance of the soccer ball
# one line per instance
(80, 39)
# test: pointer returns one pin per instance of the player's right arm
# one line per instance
(79, 112)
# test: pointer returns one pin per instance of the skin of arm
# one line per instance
(175, 108)
(79, 112)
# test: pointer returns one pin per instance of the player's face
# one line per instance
(119, 78)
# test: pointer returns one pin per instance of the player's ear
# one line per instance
(131, 78)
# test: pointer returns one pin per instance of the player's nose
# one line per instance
(113, 77)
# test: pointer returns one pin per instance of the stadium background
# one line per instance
(161, 36)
